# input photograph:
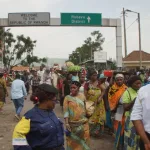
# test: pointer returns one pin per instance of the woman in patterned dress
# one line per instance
(114, 96)
(75, 119)
(94, 92)
(131, 139)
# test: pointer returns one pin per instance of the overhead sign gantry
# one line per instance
(67, 19)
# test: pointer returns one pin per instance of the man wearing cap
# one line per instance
(40, 129)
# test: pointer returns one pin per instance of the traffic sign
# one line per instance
(29, 19)
(100, 57)
(81, 19)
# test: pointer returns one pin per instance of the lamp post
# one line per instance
(139, 29)
(124, 27)
(3, 43)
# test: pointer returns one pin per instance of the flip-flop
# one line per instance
(17, 117)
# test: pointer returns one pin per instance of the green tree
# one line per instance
(19, 51)
(86, 51)
(114, 65)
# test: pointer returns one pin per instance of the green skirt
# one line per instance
(131, 139)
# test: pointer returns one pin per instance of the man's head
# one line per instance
(47, 70)
(18, 76)
(35, 73)
(41, 68)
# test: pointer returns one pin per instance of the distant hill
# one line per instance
(52, 61)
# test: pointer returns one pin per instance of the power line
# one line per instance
(126, 30)
(131, 24)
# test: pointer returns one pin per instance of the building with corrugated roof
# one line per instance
(132, 60)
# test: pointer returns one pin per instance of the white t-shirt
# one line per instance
(40, 74)
(47, 78)
(141, 108)
(55, 79)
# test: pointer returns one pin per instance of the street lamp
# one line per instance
(139, 28)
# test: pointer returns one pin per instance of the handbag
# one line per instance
(90, 108)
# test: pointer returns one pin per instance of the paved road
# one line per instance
(7, 123)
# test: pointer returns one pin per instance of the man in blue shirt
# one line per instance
(18, 93)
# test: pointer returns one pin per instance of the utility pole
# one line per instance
(140, 47)
(91, 53)
(139, 29)
(32, 57)
(125, 38)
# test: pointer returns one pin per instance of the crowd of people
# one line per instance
(93, 105)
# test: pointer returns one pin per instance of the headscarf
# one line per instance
(119, 75)
(132, 80)
(102, 76)
(78, 84)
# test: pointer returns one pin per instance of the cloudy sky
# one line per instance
(57, 42)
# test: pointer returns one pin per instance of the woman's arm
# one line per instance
(102, 93)
(66, 114)
(128, 106)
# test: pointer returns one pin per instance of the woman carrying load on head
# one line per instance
(114, 96)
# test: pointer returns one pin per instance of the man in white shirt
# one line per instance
(54, 78)
(47, 78)
(141, 116)
(40, 74)
(18, 93)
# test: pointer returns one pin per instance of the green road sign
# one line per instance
(81, 19)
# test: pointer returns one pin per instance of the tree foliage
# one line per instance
(114, 65)
(19, 51)
(86, 51)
